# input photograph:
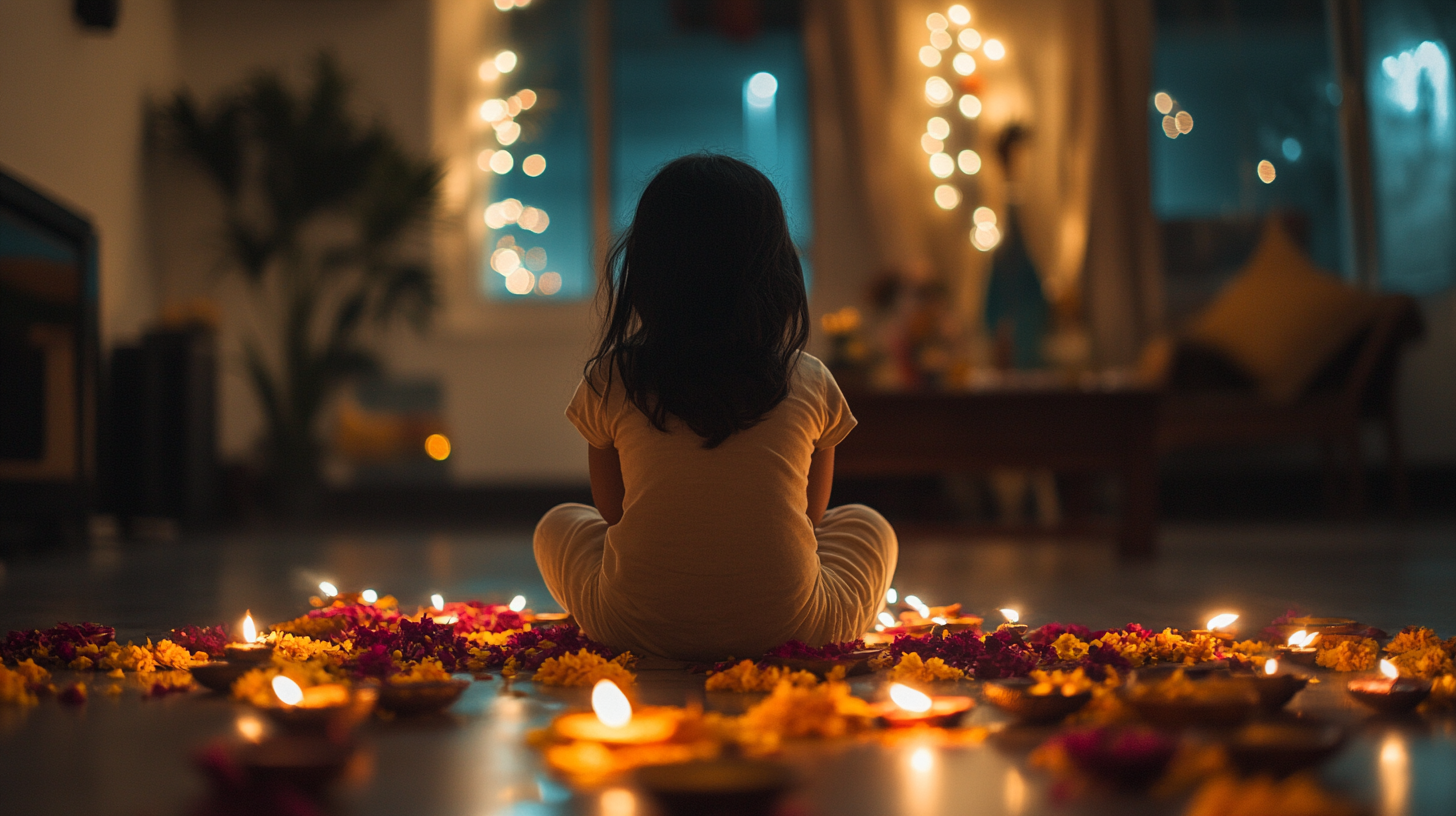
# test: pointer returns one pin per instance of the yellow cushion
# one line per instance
(1282, 318)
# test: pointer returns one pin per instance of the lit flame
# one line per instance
(287, 691)
(1389, 670)
(518, 603)
(369, 596)
(250, 631)
(610, 704)
(918, 605)
(1271, 666)
(437, 601)
(939, 621)
(251, 728)
(1221, 621)
(328, 589)
(1298, 640)
(909, 699)
(1011, 615)
(887, 619)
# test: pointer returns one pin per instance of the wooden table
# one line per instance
(1029, 423)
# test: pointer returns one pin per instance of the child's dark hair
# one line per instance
(703, 300)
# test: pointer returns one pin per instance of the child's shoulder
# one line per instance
(812, 375)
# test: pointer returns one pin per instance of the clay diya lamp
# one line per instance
(908, 707)
(1390, 693)
(1300, 647)
(1180, 703)
(549, 619)
(1017, 698)
(332, 708)
(1283, 748)
(249, 651)
(854, 663)
(1276, 689)
(612, 720)
(219, 675)
(420, 698)
(1217, 627)
(1319, 626)
(740, 787)
(1013, 622)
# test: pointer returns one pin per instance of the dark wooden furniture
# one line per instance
(48, 368)
(1209, 403)
(1037, 424)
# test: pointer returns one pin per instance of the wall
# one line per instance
(507, 372)
(72, 106)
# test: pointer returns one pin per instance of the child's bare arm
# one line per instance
(821, 482)
(605, 467)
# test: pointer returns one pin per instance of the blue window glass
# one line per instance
(536, 158)
(684, 82)
(1413, 141)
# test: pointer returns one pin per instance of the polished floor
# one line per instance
(129, 756)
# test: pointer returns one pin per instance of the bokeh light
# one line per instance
(938, 127)
(941, 40)
(437, 447)
(1266, 171)
(970, 106)
(549, 284)
(970, 39)
(959, 14)
(1163, 102)
(936, 22)
(1184, 122)
(502, 161)
(983, 216)
(964, 64)
(930, 144)
(929, 56)
(506, 61)
(947, 197)
(993, 49)
(520, 282)
(942, 165)
(533, 165)
(969, 162)
(938, 92)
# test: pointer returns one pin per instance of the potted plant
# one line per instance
(322, 214)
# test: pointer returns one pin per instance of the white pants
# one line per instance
(857, 553)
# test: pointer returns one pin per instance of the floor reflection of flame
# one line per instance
(1394, 776)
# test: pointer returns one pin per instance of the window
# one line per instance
(1244, 121)
(535, 155)
(684, 78)
(1413, 142)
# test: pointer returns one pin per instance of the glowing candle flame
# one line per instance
(251, 728)
(250, 631)
(369, 596)
(887, 619)
(1011, 615)
(518, 603)
(909, 699)
(1298, 640)
(1221, 621)
(918, 605)
(1389, 670)
(327, 589)
(939, 621)
(437, 601)
(1271, 666)
(287, 691)
(610, 704)
(891, 595)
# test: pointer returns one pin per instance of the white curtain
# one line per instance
(1077, 73)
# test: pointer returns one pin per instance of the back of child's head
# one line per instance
(705, 311)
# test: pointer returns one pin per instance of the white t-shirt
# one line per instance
(715, 553)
